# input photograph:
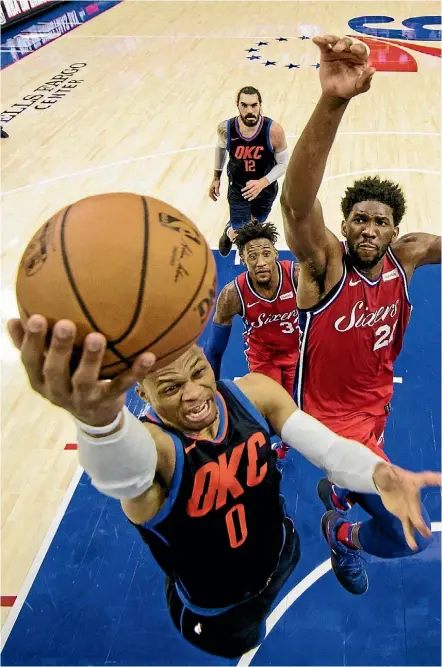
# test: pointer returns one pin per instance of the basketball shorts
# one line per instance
(281, 366)
(242, 211)
(241, 628)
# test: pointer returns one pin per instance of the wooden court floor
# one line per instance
(153, 79)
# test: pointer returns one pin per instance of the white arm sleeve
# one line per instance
(282, 160)
(347, 463)
(121, 465)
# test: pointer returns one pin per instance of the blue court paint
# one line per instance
(99, 596)
(420, 28)
(22, 39)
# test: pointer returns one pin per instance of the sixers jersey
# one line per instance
(250, 158)
(270, 324)
(221, 530)
(349, 342)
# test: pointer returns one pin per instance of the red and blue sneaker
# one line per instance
(326, 493)
(349, 567)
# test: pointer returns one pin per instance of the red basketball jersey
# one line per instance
(348, 343)
(270, 325)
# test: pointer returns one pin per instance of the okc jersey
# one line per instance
(270, 325)
(348, 344)
(221, 530)
(250, 158)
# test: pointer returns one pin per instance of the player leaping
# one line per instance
(353, 303)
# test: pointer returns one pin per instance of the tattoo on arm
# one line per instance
(227, 306)
(222, 130)
(222, 134)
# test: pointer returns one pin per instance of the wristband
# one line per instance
(99, 430)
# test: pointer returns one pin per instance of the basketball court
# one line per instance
(126, 96)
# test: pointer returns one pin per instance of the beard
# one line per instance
(366, 262)
(249, 120)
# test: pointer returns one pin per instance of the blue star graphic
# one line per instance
(269, 62)
(250, 50)
(316, 66)
(282, 39)
(253, 57)
(304, 37)
(291, 66)
(263, 43)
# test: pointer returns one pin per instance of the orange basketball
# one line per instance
(131, 267)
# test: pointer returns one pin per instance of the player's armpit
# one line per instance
(417, 249)
(228, 305)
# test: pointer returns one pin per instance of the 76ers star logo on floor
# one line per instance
(391, 49)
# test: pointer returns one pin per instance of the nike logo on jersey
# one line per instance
(390, 275)
(287, 295)
(354, 282)
(249, 305)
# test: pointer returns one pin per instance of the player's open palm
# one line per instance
(81, 392)
(400, 492)
(344, 71)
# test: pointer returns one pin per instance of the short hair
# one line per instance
(373, 189)
(249, 90)
(256, 230)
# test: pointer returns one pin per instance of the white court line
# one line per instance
(294, 594)
(151, 156)
(397, 380)
(38, 560)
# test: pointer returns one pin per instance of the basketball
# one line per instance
(130, 267)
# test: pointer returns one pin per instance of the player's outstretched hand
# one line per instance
(400, 492)
(91, 400)
(344, 71)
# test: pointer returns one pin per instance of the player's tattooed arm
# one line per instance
(220, 159)
(227, 306)
(418, 249)
(221, 149)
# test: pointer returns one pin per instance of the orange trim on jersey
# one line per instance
(189, 448)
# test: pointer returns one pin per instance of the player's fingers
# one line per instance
(360, 49)
(16, 332)
(325, 42)
(409, 533)
(32, 350)
(343, 44)
(428, 478)
(364, 81)
(56, 368)
(88, 370)
(415, 511)
(136, 373)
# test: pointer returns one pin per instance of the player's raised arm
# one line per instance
(344, 73)
(116, 450)
(227, 306)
